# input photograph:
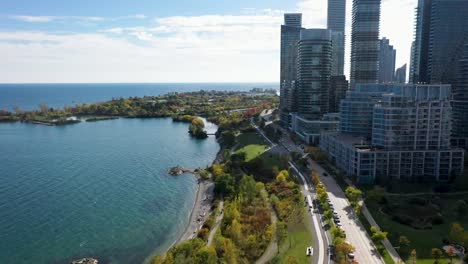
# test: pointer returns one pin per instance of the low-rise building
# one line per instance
(395, 132)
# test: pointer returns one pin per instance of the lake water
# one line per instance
(94, 189)
(29, 96)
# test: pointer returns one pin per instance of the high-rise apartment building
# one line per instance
(460, 104)
(293, 20)
(420, 45)
(313, 72)
(387, 57)
(441, 34)
(338, 88)
(365, 42)
(400, 74)
(290, 34)
(336, 23)
(403, 133)
(447, 36)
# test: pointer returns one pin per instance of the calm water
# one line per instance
(95, 189)
(29, 96)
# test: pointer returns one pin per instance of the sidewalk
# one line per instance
(386, 243)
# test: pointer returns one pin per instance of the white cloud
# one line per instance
(32, 18)
(212, 48)
(179, 48)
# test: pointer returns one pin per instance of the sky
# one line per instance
(88, 41)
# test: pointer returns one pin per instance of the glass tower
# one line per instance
(365, 42)
(313, 72)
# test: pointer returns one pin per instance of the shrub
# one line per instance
(402, 219)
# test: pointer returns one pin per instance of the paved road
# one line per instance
(355, 232)
(320, 238)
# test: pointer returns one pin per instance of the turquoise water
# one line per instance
(95, 189)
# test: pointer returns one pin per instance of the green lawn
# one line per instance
(298, 239)
(421, 240)
(252, 144)
(245, 139)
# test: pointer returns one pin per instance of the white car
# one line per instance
(309, 251)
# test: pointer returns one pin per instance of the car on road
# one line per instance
(336, 214)
(309, 251)
(351, 255)
(325, 174)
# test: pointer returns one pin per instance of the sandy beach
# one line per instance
(200, 211)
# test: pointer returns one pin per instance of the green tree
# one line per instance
(206, 255)
(247, 188)
(436, 255)
(376, 195)
(404, 243)
(377, 235)
(225, 185)
(354, 195)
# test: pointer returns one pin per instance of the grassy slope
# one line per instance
(299, 238)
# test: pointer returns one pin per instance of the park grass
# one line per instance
(252, 144)
(421, 240)
(298, 239)
(245, 139)
(252, 151)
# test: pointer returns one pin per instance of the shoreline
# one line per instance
(205, 188)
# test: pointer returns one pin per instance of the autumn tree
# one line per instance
(413, 256)
(457, 233)
(436, 255)
(343, 249)
(451, 253)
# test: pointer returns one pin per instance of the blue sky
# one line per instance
(162, 41)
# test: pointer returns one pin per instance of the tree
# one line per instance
(354, 195)
(436, 255)
(315, 178)
(225, 185)
(404, 246)
(206, 255)
(413, 256)
(44, 107)
(343, 249)
(376, 195)
(377, 235)
(247, 188)
(465, 258)
(451, 253)
(456, 233)
(282, 176)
